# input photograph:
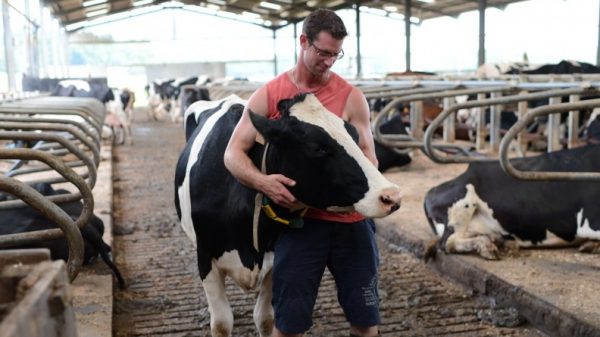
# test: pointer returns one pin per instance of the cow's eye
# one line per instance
(467, 206)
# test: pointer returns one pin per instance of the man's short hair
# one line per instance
(324, 20)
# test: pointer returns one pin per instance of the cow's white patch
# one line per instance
(221, 316)
(473, 216)
(475, 228)
(184, 190)
(197, 108)
(585, 231)
(439, 228)
(311, 111)
(230, 264)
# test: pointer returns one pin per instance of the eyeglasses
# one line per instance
(326, 54)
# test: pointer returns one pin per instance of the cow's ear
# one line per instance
(284, 105)
(270, 129)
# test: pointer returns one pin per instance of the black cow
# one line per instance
(386, 156)
(81, 88)
(484, 205)
(27, 219)
(308, 144)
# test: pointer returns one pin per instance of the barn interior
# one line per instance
(92, 91)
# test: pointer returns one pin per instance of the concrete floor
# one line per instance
(556, 289)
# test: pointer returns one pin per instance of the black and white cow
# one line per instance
(386, 156)
(484, 205)
(27, 219)
(308, 144)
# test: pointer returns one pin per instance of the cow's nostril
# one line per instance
(395, 208)
(386, 200)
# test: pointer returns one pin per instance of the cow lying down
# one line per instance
(308, 144)
(484, 206)
(27, 219)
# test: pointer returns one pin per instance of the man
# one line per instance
(343, 242)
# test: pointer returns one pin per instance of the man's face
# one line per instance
(322, 53)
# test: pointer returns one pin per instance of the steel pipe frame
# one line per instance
(64, 170)
(91, 168)
(95, 137)
(54, 127)
(68, 228)
(508, 167)
(28, 111)
(428, 138)
(37, 109)
(388, 140)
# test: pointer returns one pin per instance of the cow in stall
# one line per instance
(119, 116)
(223, 218)
(27, 219)
(164, 97)
(118, 105)
(483, 207)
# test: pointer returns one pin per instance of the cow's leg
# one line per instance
(263, 309)
(221, 316)
(481, 244)
(592, 247)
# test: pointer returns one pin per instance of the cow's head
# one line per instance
(319, 150)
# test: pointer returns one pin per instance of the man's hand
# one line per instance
(275, 187)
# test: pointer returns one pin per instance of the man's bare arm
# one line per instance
(358, 113)
(241, 166)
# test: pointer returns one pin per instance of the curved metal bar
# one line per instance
(411, 91)
(543, 175)
(389, 140)
(65, 171)
(79, 125)
(56, 111)
(54, 127)
(62, 141)
(52, 212)
(428, 137)
(36, 109)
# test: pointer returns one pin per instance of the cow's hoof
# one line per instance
(591, 247)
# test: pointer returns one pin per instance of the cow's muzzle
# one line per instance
(390, 199)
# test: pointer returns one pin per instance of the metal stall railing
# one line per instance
(490, 94)
(67, 132)
(429, 148)
(522, 124)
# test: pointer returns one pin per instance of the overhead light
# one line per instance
(92, 2)
(270, 5)
(96, 13)
(99, 7)
(390, 8)
(312, 3)
(427, 1)
(142, 2)
(218, 2)
(333, 3)
(250, 15)
(213, 7)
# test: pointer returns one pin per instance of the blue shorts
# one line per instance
(348, 250)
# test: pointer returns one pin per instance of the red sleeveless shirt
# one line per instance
(333, 95)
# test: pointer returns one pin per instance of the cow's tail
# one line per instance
(93, 237)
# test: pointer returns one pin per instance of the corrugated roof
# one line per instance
(270, 13)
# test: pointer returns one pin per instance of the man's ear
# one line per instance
(270, 129)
